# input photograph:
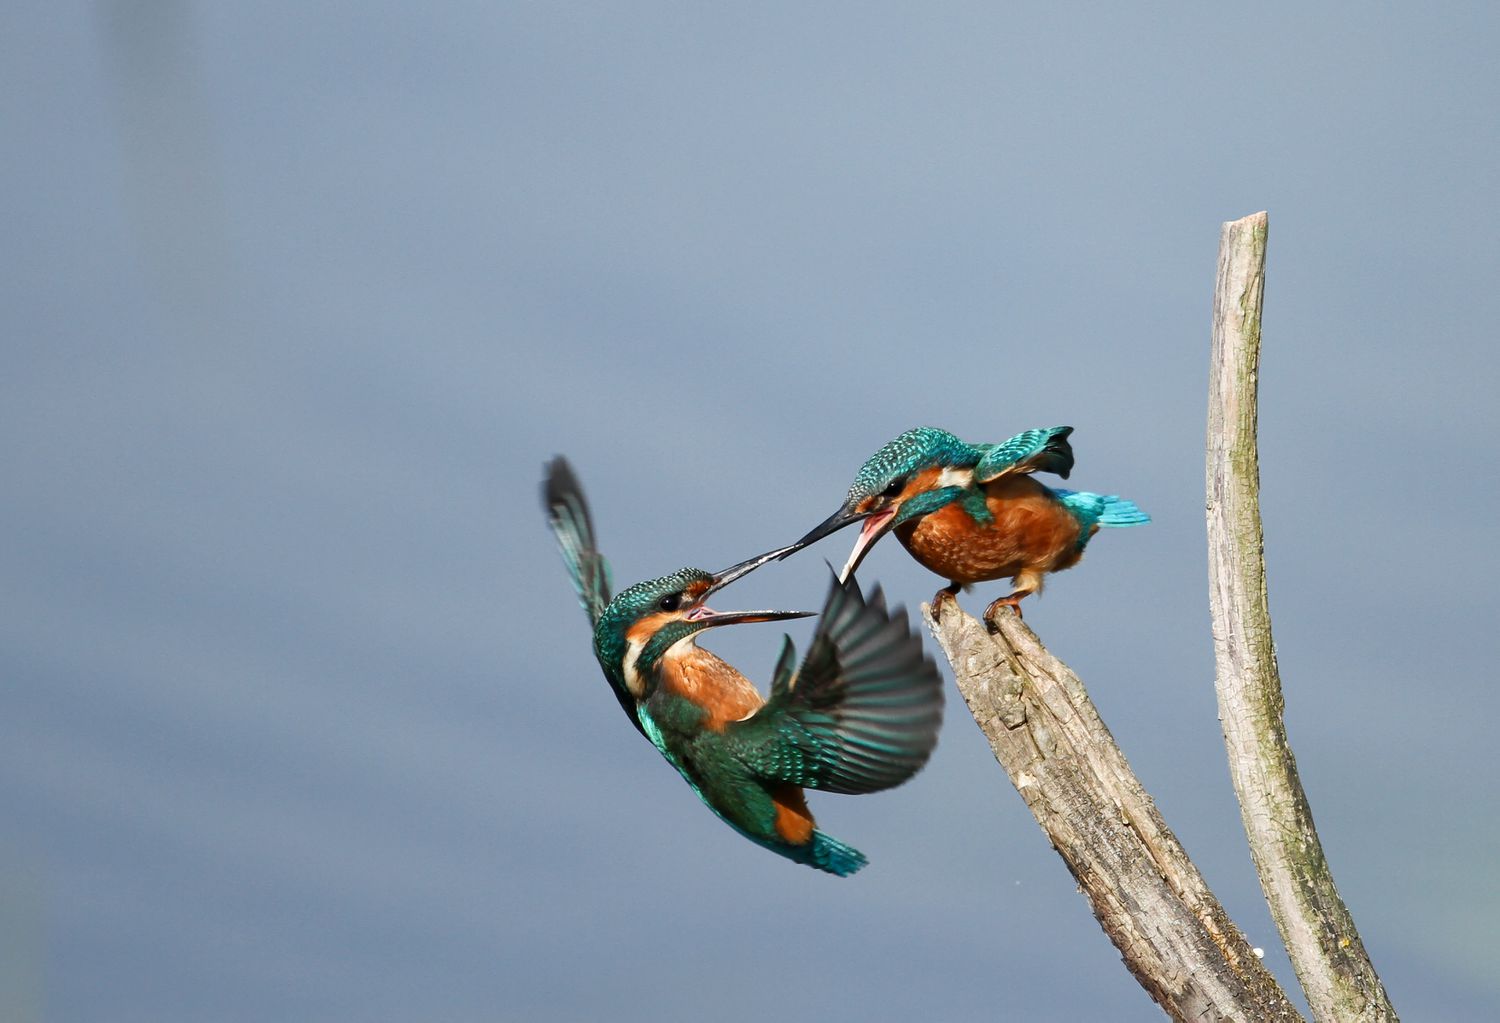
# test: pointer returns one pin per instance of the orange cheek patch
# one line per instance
(922, 482)
(642, 631)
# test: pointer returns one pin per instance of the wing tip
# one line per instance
(559, 483)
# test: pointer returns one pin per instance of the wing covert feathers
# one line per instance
(1041, 450)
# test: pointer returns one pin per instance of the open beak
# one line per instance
(710, 618)
(874, 528)
(835, 522)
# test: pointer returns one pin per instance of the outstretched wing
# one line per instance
(1045, 450)
(568, 515)
(863, 712)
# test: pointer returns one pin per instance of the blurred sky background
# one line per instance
(298, 716)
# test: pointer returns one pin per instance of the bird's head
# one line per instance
(914, 475)
(648, 619)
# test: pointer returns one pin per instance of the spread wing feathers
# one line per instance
(862, 713)
(568, 515)
(1045, 450)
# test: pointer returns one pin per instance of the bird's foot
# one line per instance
(1013, 602)
(942, 597)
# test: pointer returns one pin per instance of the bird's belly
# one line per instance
(1030, 532)
(794, 821)
(767, 812)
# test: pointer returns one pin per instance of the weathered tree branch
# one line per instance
(1150, 899)
(1325, 949)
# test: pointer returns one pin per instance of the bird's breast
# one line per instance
(1031, 530)
(711, 684)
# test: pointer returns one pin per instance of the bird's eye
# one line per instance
(671, 602)
(896, 486)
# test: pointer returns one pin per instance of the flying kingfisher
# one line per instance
(973, 512)
(860, 715)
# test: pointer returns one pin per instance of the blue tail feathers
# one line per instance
(1100, 510)
(1120, 512)
(834, 856)
(823, 852)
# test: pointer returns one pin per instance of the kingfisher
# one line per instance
(860, 714)
(974, 512)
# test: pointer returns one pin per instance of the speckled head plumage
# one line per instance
(919, 448)
(664, 595)
(646, 620)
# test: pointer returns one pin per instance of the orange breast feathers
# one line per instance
(702, 678)
(1031, 532)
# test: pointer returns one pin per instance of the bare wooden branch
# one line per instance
(1149, 898)
(1325, 949)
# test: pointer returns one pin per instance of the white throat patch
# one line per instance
(952, 477)
(633, 650)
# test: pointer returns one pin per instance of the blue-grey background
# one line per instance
(298, 718)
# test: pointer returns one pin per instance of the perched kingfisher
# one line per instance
(860, 715)
(973, 512)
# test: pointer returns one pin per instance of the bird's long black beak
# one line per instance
(876, 524)
(744, 568)
(710, 618)
(835, 522)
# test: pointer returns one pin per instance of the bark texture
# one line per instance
(1335, 973)
(1171, 932)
